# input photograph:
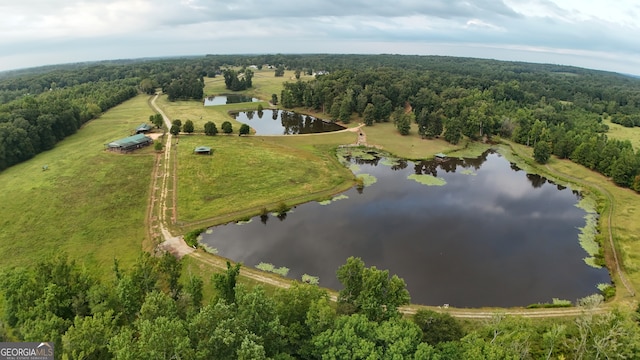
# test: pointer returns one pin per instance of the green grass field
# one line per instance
(245, 174)
(90, 203)
(620, 132)
(264, 83)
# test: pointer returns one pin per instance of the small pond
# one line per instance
(282, 122)
(228, 99)
(470, 233)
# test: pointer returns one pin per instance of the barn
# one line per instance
(143, 128)
(129, 143)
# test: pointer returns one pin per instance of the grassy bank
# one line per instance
(246, 174)
(89, 203)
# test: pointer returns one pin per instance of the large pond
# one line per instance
(228, 99)
(282, 122)
(489, 235)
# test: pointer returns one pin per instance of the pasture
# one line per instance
(90, 203)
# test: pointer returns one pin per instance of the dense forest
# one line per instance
(553, 109)
(556, 109)
(155, 311)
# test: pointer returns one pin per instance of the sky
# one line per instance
(596, 34)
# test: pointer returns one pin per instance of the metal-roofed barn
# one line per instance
(129, 143)
(144, 128)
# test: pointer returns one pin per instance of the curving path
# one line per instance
(177, 246)
(173, 244)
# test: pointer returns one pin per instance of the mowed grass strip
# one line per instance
(619, 132)
(89, 203)
(249, 173)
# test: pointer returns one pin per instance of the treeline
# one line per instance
(560, 109)
(39, 107)
(155, 311)
(538, 108)
(33, 124)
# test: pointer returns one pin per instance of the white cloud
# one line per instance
(596, 34)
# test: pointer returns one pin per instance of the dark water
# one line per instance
(281, 122)
(228, 99)
(500, 237)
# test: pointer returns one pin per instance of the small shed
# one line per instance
(143, 128)
(440, 156)
(129, 143)
(202, 150)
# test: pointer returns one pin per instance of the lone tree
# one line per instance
(274, 99)
(210, 128)
(542, 152)
(244, 130)
(227, 128)
(156, 120)
(175, 129)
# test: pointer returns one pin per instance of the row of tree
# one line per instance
(210, 128)
(155, 311)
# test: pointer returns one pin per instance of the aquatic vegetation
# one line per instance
(468, 172)
(313, 280)
(589, 231)
(367, 179)
(390, 161)
(283, 271)
(335, 198)
(208, 249)
(427, 180)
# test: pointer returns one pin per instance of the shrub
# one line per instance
(191, 238)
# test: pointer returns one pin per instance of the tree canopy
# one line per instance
(153, 310)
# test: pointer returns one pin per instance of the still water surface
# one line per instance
(492, 236)
(228, 99)
(282, 122)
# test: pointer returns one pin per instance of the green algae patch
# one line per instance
(468, 172)
(390, 161)
(589, 231)
(367, 179)
(354, 168)
(335, 198)
(282, 271)
(427, 180)
(309, 279)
